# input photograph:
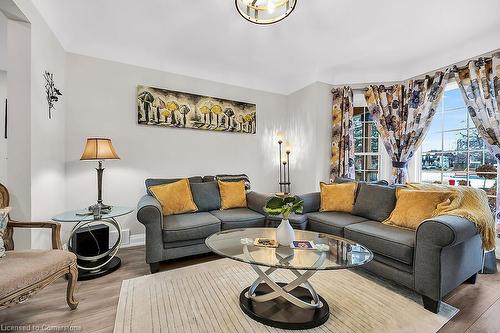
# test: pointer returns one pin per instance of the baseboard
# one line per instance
(136, 240)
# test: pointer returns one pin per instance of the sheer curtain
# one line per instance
(342, 159)
(402, 115)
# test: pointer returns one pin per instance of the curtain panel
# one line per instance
(479, 83)
(402, 115)
(342, 159)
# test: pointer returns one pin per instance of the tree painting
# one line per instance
(146, 98)
(229, 114)
(217, 110)
(168, 108)
(184, 110)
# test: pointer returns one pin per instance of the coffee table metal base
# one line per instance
(281, 313)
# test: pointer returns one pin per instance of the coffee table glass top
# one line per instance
(332, 252)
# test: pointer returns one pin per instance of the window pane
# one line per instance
(475, 141)
(372, 162)
(455, 141)
(371, 145)
(359, 162)
(454, 161)
(431, 177)
(358, 145)
(359, 175)
(432, 161)
(371, 176)
(432, 142)
(373, 131)
(453, 99)
(437, 123)
(456, 119)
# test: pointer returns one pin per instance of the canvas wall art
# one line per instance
(161, 107)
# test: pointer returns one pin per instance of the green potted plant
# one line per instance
(284, 206)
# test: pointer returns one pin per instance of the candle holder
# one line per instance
(284, 170)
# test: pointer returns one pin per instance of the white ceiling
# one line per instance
(334, 41)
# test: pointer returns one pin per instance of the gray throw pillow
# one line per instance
(160, 181)
(4, 219)
(375, 202)
(206, 196)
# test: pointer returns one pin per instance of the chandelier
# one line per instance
(265, 11)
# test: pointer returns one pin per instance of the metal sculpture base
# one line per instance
(281, 313)
(287, 306)
(91, 267)
(110, 267)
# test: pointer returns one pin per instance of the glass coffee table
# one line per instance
(292, 305)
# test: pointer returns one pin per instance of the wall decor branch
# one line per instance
(51, 91)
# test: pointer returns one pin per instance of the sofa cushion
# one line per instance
(189, 226)
(232, 194)
(239, 218)
(375, 202)
(24, 268)
(337, 197)
(160, 181)
(392, 242)
(297, 221)
(206, 196)
(331, 222)
(175, 198)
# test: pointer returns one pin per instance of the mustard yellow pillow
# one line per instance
(413, 207)
(232, 194)
(175, 198)
(337, 197)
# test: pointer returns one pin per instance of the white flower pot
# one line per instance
(284, 233)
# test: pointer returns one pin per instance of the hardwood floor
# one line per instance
(479, 304)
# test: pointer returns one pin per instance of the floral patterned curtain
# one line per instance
(342, 161)
(479, 83)
(402, 115)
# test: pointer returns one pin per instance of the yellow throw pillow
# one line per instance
(337, 197)
(232, 194)
(175, 198)
(413, 207)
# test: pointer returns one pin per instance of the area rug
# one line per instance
(205, 298)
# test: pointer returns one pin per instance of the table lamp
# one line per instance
(99, 149)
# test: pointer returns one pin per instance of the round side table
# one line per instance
(91, 267)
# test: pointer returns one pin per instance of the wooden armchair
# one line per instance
(26, 272)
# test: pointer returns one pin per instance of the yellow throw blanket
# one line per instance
(469, 203)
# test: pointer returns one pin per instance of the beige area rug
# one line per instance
(205, 298)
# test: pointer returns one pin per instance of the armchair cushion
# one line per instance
(22, 269)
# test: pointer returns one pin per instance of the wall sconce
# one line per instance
(284, 167)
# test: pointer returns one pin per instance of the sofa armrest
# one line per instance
(448, 251)
(150, 214)
(312, 202)
(446, 230)
(149, 211)
(256, 201)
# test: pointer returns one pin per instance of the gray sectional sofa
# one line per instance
(433, 260)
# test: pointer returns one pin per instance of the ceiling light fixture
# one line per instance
(265, 11)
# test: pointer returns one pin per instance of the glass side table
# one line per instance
(91, 267)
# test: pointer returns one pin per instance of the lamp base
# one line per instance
(99, 208)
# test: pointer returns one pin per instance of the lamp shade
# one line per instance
(99, 149)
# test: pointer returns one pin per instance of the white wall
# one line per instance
(101, 102)
(36, 145)
(3, 42)
(309, 116)
(3, 141)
